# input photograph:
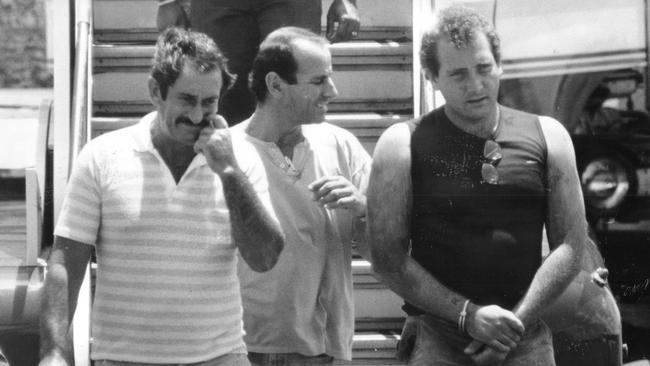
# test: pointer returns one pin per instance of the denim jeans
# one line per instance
(427, 341)
(288, 359)
(229, 359)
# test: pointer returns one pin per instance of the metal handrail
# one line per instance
(81, 85)
(423, 95)
(80, 130)
(647, 68)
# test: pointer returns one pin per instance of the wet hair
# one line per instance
(276, 55)
(176, 48)
(460, 25)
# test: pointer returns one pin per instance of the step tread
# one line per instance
(112, 14)
(346, 48)
(384, 360)
(150, 34)
(345, 120)
(348, 54)
(378, 323)
(375, 345)
(366, 126)
(372, 85)
(141, 107)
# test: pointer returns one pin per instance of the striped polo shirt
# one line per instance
(167, 288)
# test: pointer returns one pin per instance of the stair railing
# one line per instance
(81, 87)
(422, 95)
(80, 135)
(425, 98)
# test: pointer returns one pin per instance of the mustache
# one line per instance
(205, 122)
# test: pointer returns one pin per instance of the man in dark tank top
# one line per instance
(457, 202)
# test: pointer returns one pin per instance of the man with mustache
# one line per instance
(301, 311)
(167, 204)
(457, 202)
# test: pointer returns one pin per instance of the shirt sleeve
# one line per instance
(360, 163)
(79, 217)
(251, 164)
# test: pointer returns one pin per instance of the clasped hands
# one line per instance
(496, 331)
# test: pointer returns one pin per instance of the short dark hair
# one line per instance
(461, 25)
(276, 54)
(177, 47)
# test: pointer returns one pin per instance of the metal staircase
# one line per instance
(101, 64)
(374, 76)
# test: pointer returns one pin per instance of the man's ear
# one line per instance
(155, 94)
(433, 79)
(499, 70)
(274, 83)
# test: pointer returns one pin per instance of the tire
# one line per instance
(608, 181)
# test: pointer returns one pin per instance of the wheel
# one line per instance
(607, 183)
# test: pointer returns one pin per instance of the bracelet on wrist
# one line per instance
(462, 317)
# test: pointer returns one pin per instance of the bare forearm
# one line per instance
(389, 209)
(417, 286)
(66, 268)
(56, 312)
(566, 225)
(551, 279)
(257, 235)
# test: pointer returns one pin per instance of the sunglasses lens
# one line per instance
(492, 151)
(492, 155)
(489, 174)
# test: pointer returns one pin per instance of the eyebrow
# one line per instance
(319, 77)
(194, 97)
(186, 96)
(453, 71)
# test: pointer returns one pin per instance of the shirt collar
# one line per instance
(142, 133)
(142, 142)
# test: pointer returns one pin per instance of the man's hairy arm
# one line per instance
(65, 273)
(566, 225)
(256, 233)
(389, 204)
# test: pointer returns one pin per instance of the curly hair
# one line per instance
(460, 25)
(177, 47)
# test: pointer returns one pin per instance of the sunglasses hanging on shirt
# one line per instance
(491, 158)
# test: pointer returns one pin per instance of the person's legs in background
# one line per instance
(232, 25)
(273, 14)
(238, 27)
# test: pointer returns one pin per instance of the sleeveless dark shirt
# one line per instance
(482, 241)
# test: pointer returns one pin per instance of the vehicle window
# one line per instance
(600, 103)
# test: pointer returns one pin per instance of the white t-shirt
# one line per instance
(167, 289)
(305, 303)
